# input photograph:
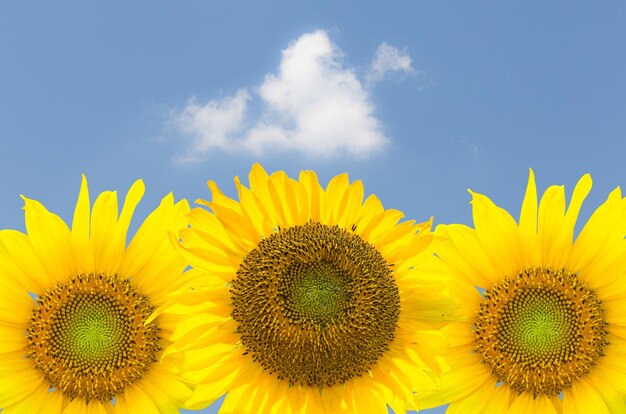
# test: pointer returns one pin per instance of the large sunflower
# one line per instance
(311, 302)
(548, 332)
(77, 327)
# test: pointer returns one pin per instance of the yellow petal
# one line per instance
(379, 225)
(215, 385)
(499, 401)
(460, 382)
(78, 406)
(315, 194)
(581, 190)
(552, 234)
(600, 242)
(218, 198)
(35, 403)
(50, 238)
(528, 224)
(498, 235)
(152, 261)
(254, 209)
(259, 179)
(582, 398)
(522, 404)
(13, 340)
(133, 401)
(614, 400)
(165, 391)
(19, 263)
(276, 188)
(365, 398)
(121, 228)
(474, 402)
(83, 255)
(103, 220)
(335, 199)
(18, 380)
(465, 254)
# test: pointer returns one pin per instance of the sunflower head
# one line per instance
(544, 335)
(90, 335)
(312, 299)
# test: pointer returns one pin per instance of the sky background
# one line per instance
(419, 99)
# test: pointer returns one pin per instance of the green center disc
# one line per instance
(539, 323)
(90, 328)
(317, 292)
(93, 332)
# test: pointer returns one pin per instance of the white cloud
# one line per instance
(388, 59)
(211, 125)
(312, 105)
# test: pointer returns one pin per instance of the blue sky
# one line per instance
(419, 99)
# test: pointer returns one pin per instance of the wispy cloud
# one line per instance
(312, 105)
(211, 125)
(388, 59)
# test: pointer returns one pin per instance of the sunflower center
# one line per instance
(89, 338)
(316, 305)
(93, 331)
(540, 330)
(542, 322)
(316, 292)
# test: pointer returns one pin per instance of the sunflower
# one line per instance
(76, 309)
(548, 332)
(311, 300)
